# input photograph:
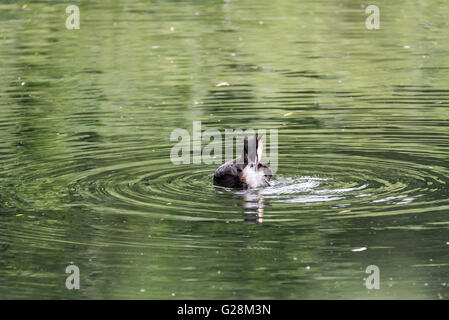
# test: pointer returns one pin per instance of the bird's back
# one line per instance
(229, 175)
(232, 175)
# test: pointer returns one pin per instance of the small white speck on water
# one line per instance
(294, 258)
(172, 28)
(222, 84)
(22, 84)
(407, 47)
(173, 294)
(260, 22)
(155, 47)
(426, 284)
(142, 290)
(359, 249)
(219, 272)
(308, 267)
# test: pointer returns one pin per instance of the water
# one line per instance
(85, 171)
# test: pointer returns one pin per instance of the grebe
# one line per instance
(245, 171)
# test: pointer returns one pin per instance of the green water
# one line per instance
(85, 170)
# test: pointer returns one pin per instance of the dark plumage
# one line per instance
(245, 171)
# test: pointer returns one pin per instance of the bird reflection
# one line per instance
(253, 207)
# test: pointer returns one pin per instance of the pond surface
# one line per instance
(363, 149)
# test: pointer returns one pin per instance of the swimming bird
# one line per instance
(246, 171)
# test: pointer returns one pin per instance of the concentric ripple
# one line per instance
(364, 186)
(354, 185)
(139, 189)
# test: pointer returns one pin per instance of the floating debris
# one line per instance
(222, 84)
(288, 114)
(359, 249)
(345, 211)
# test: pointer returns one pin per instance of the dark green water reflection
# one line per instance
(86, 177)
